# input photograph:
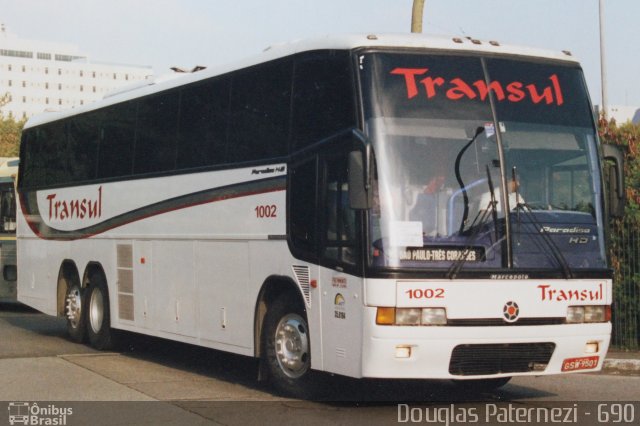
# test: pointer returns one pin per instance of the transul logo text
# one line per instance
(75, 209)
(547, 292)
(456, 88)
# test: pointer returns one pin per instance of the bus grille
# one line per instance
(475, 360)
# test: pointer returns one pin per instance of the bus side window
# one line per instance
(340, 222)
(204, 117)
(156, 133)
(115, 156)
(303, 209)
(323, 100)
(259, 112)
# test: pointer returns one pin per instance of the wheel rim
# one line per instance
(74, 306)
(96, 310)
(292, 345)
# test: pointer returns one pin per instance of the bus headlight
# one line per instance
(408, 316)
(411, 316)
(434, 316)
(588, 314)
(594, 314)
(575, 314)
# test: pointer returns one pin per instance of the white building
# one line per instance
(41, 75)
(622, 113)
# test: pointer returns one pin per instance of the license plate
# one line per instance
(584, 363)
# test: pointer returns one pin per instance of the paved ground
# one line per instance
(166, 382)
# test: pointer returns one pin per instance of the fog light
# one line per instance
(434, 316)
(403, 351)
(592, 348)
(408, 316)
(594, 314)
(575, 314)
(538, 366)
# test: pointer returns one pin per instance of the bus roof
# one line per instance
(338, 42)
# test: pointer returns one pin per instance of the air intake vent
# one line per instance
(124, 254)
(303, 279)
(475, 360)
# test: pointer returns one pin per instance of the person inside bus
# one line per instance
(430, 204)
(515, 197)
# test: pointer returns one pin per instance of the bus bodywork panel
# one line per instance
(432, 350)
(534, 332)
(167, 274)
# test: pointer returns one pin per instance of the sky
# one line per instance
(185, 33)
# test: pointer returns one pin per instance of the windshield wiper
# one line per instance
(480, 218)
(465, 197)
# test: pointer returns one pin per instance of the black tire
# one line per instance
(74, 311)
(482, 385)
(287, 351)
(98, 316)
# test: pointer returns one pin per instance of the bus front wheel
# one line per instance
(287, 347)
(98, 316)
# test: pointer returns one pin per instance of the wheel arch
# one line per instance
(90, 270)
(273, 287)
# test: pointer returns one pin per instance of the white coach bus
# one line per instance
(369, 206)
(8, 269)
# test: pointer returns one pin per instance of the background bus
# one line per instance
(340, 205)
(8, 279)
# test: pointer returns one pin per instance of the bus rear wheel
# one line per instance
(75, 313)
(287, 348)
(98, 317)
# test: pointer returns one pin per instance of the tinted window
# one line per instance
(420, 86)
(156, 133)
(529, 92)
(203, 124)
(260, 105)
(115, 157)
(323, 99)
(340, 220)
(84, 138)
(302, 207)
(50, 152)
(38, 158)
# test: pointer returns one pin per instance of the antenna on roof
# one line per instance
(192, 70)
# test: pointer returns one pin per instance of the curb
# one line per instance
(627, 365)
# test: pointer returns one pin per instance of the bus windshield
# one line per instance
(481, 163)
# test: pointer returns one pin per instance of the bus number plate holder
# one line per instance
(583, 363)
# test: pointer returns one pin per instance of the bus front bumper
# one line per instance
(467, 352)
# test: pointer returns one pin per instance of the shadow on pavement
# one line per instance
(334, 389)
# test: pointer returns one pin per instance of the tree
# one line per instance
(625, 238)
(10, 132)
(5, 99)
